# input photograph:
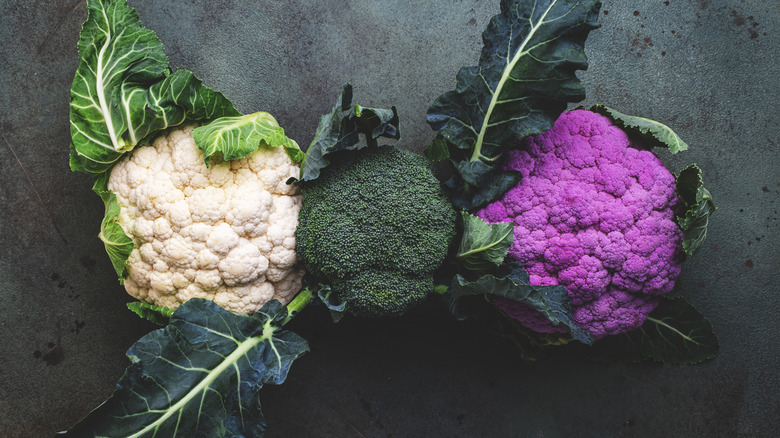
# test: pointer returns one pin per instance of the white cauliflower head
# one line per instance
(225, 233)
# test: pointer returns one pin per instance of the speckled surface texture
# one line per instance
(707, 68)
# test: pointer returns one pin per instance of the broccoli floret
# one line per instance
(375, 226)
(379, 292)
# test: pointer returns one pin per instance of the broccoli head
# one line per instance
(375, 226)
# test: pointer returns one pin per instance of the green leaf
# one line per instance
(340, 130)
(524, 81)
(200, 375)
(157, 314)
(232, 138)
(438, 149)
(483, 246)
(118, 244)
(675, 333)
(654, 134)
(123, 90)
(336, 307)
(476, 184)
(698, 208)
(511, 281)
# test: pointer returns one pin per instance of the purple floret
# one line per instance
(594, 212)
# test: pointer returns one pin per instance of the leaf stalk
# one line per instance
(300, 301)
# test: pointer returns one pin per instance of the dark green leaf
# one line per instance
(336, 307)
(654, 134)
(375, 122)
(483, 246)
(340, 130)
(199, 376)
(157, 314)
(674, 333)
(492, 186)
(511, 281)
(474, 173)
(698, 208)
(232, 138)
(123, 89)
(524, 81)
(118, 244)
(677, 333)
(438, 149)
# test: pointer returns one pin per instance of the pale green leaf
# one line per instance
(123, 90)
(483, 246)
(117, 243)
(159, 315)
(232, 138)
(654, 134)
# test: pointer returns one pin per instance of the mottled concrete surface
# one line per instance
(707, 68)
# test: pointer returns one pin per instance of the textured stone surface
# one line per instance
(707, 68)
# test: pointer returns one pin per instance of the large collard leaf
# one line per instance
(511, 281)
(674, 333)
(483, 246)
(654, 134)
(231, 138)
(698, 208)
(340, 130)
(123, 89)
(200, 375)
(524, 81)
(118, 244)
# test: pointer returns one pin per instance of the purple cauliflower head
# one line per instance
(595, 213)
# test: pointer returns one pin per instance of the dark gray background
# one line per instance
(707, 68)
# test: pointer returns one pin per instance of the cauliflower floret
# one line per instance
(594, 213)
(238, 298)
(224, 233)
(243, 264)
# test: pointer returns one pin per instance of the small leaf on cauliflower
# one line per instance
(653, 134)
(483, 246)
(118, 244)
(157, 314)
(233, 138)
(698, 208)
